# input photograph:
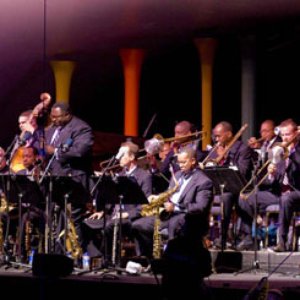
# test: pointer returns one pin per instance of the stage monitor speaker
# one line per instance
(228, 262)
(51, 265)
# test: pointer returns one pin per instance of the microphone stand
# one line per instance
(255, 264)
(105, 263)
(11, 150)
(49, 247)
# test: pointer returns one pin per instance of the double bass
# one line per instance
(16, 158)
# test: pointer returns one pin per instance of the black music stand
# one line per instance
(23, 193)
(121, 190)
(225, 180)
(61, 190)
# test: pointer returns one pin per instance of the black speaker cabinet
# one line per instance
(51, 265)
(228, 262)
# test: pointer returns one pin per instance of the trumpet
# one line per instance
(155, 145)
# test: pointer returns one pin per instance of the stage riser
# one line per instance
(266, 259)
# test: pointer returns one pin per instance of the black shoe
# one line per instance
(245, 245)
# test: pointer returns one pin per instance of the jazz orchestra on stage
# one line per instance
(139, 200)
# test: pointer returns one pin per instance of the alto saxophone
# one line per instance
(158, 200)
(153, 209)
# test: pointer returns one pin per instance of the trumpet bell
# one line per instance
(154, 145)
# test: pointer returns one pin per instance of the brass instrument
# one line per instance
(28, 232)
(261, 139)
(208, 157)
(217, 160)
(72, 243)
(155, 145)
(156, 252)
(153, 209)
(278, 152)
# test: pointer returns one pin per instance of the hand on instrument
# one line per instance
(169, 206)
(96, 215)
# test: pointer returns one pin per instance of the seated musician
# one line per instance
(267, 139)
(130, 212)
(288, 170)
(190, 191)
(25, 191)
(182, 138)
(33, 216)
(229, 152)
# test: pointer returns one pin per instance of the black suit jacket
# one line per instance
(77, 160)
(197, 196)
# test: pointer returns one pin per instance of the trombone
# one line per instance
(278, 152)
(155, 145)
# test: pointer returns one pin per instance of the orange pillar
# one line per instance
(206, 49)
(63, 71)
(132, 60)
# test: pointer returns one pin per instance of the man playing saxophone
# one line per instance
(194, 194)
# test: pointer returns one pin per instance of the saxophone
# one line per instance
(158, 200)
(28, 232)
(72, 243)
(153, 209)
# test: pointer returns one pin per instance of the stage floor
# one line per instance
(282, 270)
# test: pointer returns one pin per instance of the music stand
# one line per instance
(61, 190)
(121, 190)
(22, 191)
(225, 179)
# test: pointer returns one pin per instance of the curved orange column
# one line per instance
(206, 49)
(63, 71)
(132, 60)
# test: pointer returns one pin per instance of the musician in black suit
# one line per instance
(32, 201)
(268, 138)
(193, 195)
(230, 152)
(288, 172)
(69, 142)
(130, 212)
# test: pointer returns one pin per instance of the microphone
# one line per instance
(66, 146)
(277, 130)
(121, 152)
(26, 137)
